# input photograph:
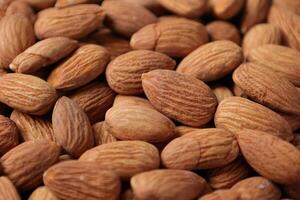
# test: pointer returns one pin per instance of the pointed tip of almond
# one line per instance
(13, 67)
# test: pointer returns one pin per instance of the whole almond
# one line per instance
(279, 58)
(236, 113)
(102, 136)
(127, 18)
(180, 97)
(26, 93)
(177, 185)
(21, 7)
(280, 160)
(126, 158)
(67, 3)
(124, 73)
(257, 188)
(226, 9)
(9, 134)
(74, 22)
(202, 149)
(221, 92)
(79, 180)
(175, 37)
(222, 30)
(40, 4)
(42, 54)
(208, 62)
(221, 195)
(71, 126)
(25, 164)
(16, 33)
(86, 63)
(42, 192)
(267, 87)
(8, 190)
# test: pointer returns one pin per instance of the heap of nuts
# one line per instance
(149, 99)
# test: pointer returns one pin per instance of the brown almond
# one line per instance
(40, 4)
(221, 92)
(222, 30)
(131, 101)
(221, 195)
(293, 120)
(102, 136)
(291, 5)
(183, 130)
(8, 190)
(42, 192)
(21, 7)
(9, 135)
(152, 5)
(67, 3)
(226, 9)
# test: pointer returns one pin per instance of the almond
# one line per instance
(42, 192)
(74, 22)
(40, 4)
(221, 92)
(180, 97)
(293, 120)
(26, 93)
(175, 37)
(131, 101)
(43, 54)
(221, 195)
(102, 136)
(21, 7)
(152, 5)
(67, 3)
(79, 180)
(126, 18)
(86, 64)
(71, 126)
(212, 61)
(289, 5)
(272, 157)
(25, 164)
(124, 73)
(236, 113)
(126, 158)
(183, 130)
(226, 9)
(177, 185)
(8, 134)
(8, 190)
(222, 30)
(202, 149)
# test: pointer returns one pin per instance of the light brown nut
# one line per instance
(238, 91)
(132, 101)
(289, 24)
(267, 87)
(221, 195)
(86, 64)
(180, 97)
(280, 160)
(8, 190)
(102, 136)
(176, 37)
(167, 184)
(9, 135)
(71, 126)
(153, 5)
(40, 4)
(16, 33)
(293, 120)
(291, 5)
(80, 180)
(202, 149)
(236, 113)
(221, 92)
(126, 18)
(212, 61)
(95, 99)
(42, 192)
(21, 7)
(32, 127)
(43, 54)
(183, 130)
(222, 30)
(292, 191)
(67, 3)
(124, 73)
(279, 58)
(26, 93)
(226, 9)
(126, 158)
(260, 35)
(74, 22)
(24, 165)
(256, 11)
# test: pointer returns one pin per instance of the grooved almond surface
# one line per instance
(124, 73)
(40, 4)
(42, 192)
(8, 134)
(221, 195)
(8, 190)
(270, 156)
(236, 113)
(212, 61)
(21, 7)
(101, 135)
(180, 97)
(222, 30)
(126, 158)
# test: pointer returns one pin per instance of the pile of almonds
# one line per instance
(150, 99)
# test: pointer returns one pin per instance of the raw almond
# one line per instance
(293, 120)
(26, 93)
(8, 190)
(221, 195)
(131, 101)
(71, 126)
(21, 7)
(40, 4)
(9, 134)
(182, 130)
(289, 5)
(222, 30)
(221, 92)
(102, 136)
(226, 9)
(80, 180)
(212, 61)
(272, 157)
(67, 3)
(124, 73)
(42, 192)
(180, 97)
(236, 113)
(86, 63)
(126, 158)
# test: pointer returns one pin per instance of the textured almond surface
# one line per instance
(67, 3)
(42, 192)
(180, 97)
(102, 136)
(21, 7)
(292, 5)
(124, 100)
(222, 30)
(226, 9)
(9, 134)
(221, 195)
(8, 190)
(40, 4)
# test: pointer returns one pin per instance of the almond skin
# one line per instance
(21, 7)
(40, 4)
(67, 3)
(280, 160)
(74, 22)
(221, 195)
(222, 30)
(208, 62)
(126, 18)
(176, 37)
(221, 92)
(180, 97)
(80, 180)
(8, 190)
(291, 5)
(43, 54)
(42, 192)
(123, 100)
(71, 126)
(102, 136)
(86, 64)
(177, 185)
(124, 73)
(236, 113)
(126, 158)
(25, 164)
(226, 9)
(26, 93)
(202, 149)
(8, 134)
